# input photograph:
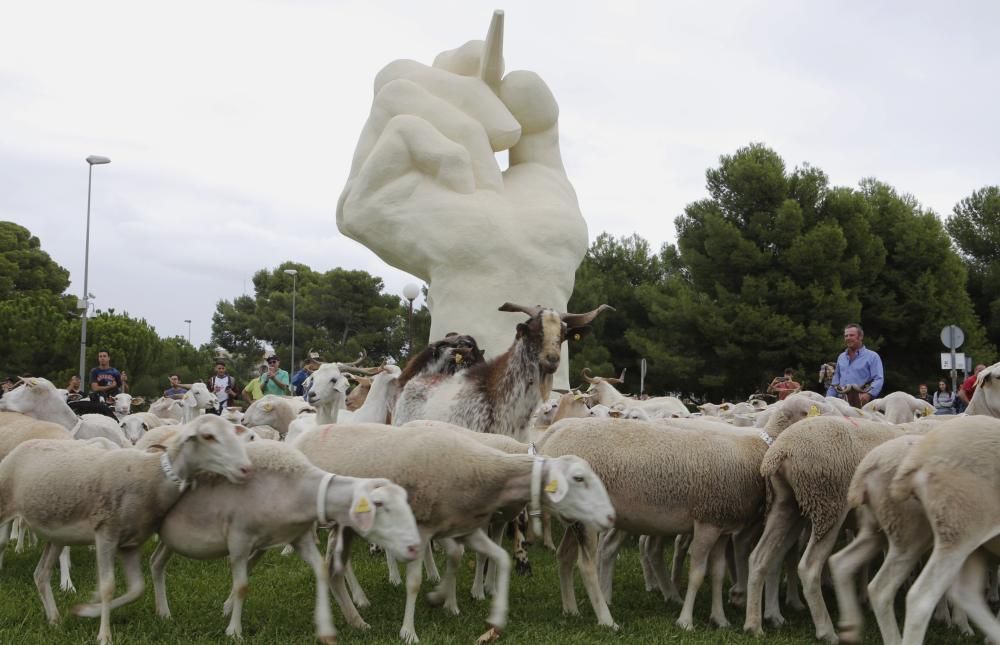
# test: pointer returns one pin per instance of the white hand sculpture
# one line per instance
(426, 194)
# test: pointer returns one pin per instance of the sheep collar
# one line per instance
(768, 439)
(535, 509)
(76, 428)
(324, 485)
(168, 470)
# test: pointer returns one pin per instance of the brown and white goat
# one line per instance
(500, 395)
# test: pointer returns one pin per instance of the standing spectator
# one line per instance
(176, 390)
(73, 392)
(7, 385)
(275, 380)
(253, 390)
(858, 378)
(223, 385)
(968, 387)
(944, 400)
(784, 385)
(105, 380)
(826, 372)
(924, 395)
(308, 367)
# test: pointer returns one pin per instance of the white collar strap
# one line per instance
(324, 484)
(168, 470)
(535, 508)
(768, 439)
(75, 429)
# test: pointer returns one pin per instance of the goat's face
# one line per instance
(199, 397)
(328, 384)
(455, 352)
(546, 331)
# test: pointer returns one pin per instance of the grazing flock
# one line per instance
(455, 449)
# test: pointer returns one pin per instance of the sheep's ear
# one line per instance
(362, 510)
(556, 485)
(138, 400)
(240, 429)
(156, 447)
(188, 400)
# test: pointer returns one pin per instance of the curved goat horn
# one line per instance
(579, 320)
(620, 379)
(362, 356)
(531, 311)
(349, 368)
(587, 377)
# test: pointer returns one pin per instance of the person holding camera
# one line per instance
(785, 385)
(275, 380)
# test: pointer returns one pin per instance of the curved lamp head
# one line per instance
(291, 271)
(411, 291)
(96, 160)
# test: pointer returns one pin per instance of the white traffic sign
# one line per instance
(952, 336)
(946, 363)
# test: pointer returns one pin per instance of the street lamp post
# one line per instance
(294, 274)
(189, 331)
(92, 160)
(410, 292)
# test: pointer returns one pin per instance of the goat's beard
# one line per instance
(545, 385)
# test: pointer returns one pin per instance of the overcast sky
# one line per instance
(231, 124)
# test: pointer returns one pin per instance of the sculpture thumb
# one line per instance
(491, 64)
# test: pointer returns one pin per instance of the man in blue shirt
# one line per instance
(105, 380)
(859, 376)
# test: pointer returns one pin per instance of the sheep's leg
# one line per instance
(390, 561)
(4, 539)
(682, 543)
(19, 534)
(567, 554)
(490, 587)
(587, 561)
(547, 531)
(743, 544)
(357, 592)
(430, 566)
(65, 582)
(845, 564)
(703, 543)
(787, 556)
(307, 550)
(445, 593)
(766, 558)
(43, 581)
(227, 606)
(414, 573)
(718, 563)
(521, 563)
(106, 584)
(665, 583)
(902, 558)
(337, 581)
(479, 581)
(793, 597)
(479, 542)
(648, 578)
(158, 568)
(238, 565)
(134, 586)
(967, 593)
(811, 573)
(608, 548)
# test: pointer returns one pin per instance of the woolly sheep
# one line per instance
(880, 521)
(279, 505)
(39, 399)
(455, 484)
(136, 425)
(809, 469)
(77, 494)
(955, 473)
(899, 407)
(276, 411)
(167, 408)
(196, 400)
(986, 399)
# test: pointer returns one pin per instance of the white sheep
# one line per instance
(658, 406)
(899, 407)
(809, 469)
(196, 400)
(455, 485)
(280, 504)
(167, 409)
(955, 473)
(986, 399)
(73, 494)
(39, 399)
(277, 412)
(139, 423)
(123, 403)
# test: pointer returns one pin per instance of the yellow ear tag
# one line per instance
(459, 358)
(576, 336)
(552, 486)
(267, 407)
(928, 412)
(363, 506)
(813, 411)
(577, 396)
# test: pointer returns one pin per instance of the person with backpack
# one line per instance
(223, 386)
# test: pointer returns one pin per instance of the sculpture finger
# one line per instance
(401, 97)
(467, 94)
(531, 102)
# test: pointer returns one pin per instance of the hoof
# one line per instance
(435, 598)
(491, 635)
(522, 568)
(67, 585)
(408, 636)
(477, 594)
(754, 630)
(796, 604)
(721, 622)
(828, 638)
(86, 611)
(571, 612)
(776, 620)
(685, 624)
(849, 635)
(327, 640)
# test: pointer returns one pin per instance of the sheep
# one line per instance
(955, 474)
(572, 404)
(39, 399)
(899, 407)
(77, 494)
(137, 424)
(233, 415)
(356, 397)
(167, 409)
(500, 395)
(659, 479)
(808, 470)
(547, 411)
(604, 392)
(276, 411)
(455, 485)
(986, 399)
(196, 400)
(123, 403)
(377, 406)
(880, 520)
(279, 504)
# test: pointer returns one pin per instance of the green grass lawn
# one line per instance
(280, 602)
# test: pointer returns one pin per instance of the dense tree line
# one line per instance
(765, 272)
